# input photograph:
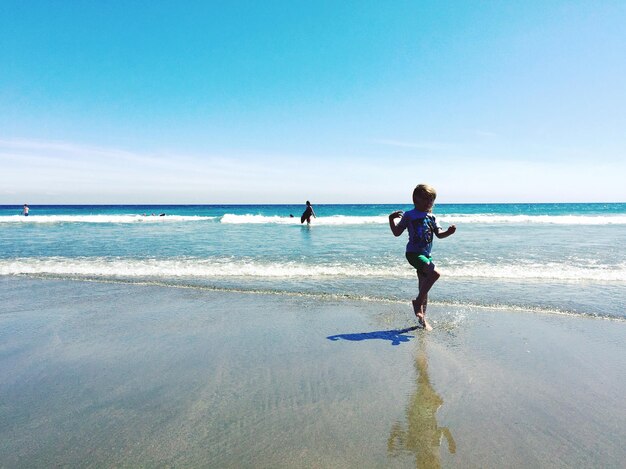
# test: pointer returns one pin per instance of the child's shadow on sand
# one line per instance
(395, 336)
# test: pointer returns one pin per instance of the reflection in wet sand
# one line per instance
(422, 435)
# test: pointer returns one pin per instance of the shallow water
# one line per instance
(546, 257)
(117, 375)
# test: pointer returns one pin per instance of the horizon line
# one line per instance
(151, 204)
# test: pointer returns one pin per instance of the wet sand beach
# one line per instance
(120, 375)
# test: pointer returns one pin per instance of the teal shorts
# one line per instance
(419, 261)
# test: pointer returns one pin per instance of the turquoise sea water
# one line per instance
(567, 258)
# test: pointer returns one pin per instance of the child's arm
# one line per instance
(444, 234)
(395, 229)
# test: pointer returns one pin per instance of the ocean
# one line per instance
(543, 258)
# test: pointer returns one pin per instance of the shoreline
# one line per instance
(139, 375)
(509, 308)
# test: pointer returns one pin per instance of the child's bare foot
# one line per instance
(419, 314)
(427, 326)
(421, 320)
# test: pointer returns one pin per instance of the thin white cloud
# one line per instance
(36, 169)
(32, 154)
(53, 172)
(485, 133)
(415, 145)
(66, 150)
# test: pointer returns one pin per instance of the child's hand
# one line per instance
(451, 229)
(395, 229)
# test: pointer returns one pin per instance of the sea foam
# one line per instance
(44, 219)
(333, 220)
(226, 268)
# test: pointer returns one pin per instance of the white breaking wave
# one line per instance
(199, 268)
(101, 219)
(536, 219)
(245, 268)
(535, 271)
(334, 220)
(258, 219)
(455, 218)
(230, 218)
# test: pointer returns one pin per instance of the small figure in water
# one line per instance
(422, 226)
(25, 210)
(307, 213)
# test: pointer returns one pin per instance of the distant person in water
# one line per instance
(422, 226)
(308, 212)
(25, 210)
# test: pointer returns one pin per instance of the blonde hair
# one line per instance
(424, 190)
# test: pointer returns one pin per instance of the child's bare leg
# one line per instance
(426, 281)
(420, 309)
(419, 312)
(421, 279)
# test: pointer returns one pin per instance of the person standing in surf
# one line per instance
(422, 226)
(25, 210)
(308, 212)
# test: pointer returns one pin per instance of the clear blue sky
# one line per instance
(336, 102)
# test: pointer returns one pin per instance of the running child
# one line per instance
(422, 226)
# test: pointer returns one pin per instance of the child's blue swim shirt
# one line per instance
(422, 227)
